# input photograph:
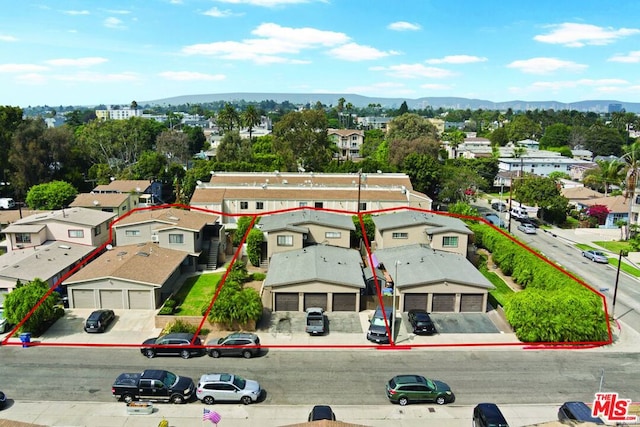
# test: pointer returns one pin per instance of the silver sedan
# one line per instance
(596, 256)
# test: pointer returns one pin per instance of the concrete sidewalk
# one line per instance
(114, 414)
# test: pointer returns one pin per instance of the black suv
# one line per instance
(578, 412)
(488, 415)
(322, 412)
(421, 322)
(99, 320)
(181, 344)
(242, 344)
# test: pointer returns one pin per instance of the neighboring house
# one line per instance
(582, 154)
(127, 277)
(74, 225)
(618, 210)
(118, 203)
(295, 230)
(541, 166)
(188, 231)
(254, 193)
(580, 196)
(117, 113)
(348, 141)
(470, 148)
(409, 227)
(433, 280)
(48, 262)
(373, 122)
(529, 144)
(143, 193)
(317, 276)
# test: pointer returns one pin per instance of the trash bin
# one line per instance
(25, 338)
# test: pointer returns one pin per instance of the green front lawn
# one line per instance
(197, 292)
(614, 246)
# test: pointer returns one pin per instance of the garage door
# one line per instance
(140, 300)
(344, 302)
(471, 303)
(287, 302)
(111, 299)
(315, 300)
(83, 298)
(443, 303)
(415, 301)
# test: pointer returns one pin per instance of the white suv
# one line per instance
(227, 388)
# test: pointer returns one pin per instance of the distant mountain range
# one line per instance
(596, 106)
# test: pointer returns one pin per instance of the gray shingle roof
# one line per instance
(305, 216)
(421, 265)
(409, 218)
(329, 264)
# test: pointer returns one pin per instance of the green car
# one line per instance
(403, 389)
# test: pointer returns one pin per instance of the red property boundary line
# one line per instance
(392, 346)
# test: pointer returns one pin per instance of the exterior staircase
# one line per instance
(212, 261)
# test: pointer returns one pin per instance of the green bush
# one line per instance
(170, 302)
(179, 326)
(165, 310)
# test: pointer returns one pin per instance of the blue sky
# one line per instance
(79, 52)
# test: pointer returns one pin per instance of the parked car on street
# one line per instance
(421, 322)
(322, 412)
(595, 256)
(488, 415)
(403, 389)
(499, 206)
(243, 344)
(527, 228)
(99, 320)
(153, 384)
(227, 388)
(180, 344)
(495, 220)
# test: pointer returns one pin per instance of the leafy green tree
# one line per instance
(543, 192)
(369, 228)
(455, 137)
(411, 126)
(459, 183)
(174, 146)
(300, 138)
(228, 118)
(499, 137)
(424, 171)
(555, 135)
(196, 138)
(607, 173)
(404, 108)
(254, 246)
(522, 127)
(463, 208)
(236, 306)
(52, 195)
(10, 120)
(233, 148)
(604, 141)
(151, 164)
(19, 302)
(242, 226)
(372, 139)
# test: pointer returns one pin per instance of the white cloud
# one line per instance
(356, 52)
(630, 58)
(112, 22)
(555, 86)
(275, 40)
(118, 11)
(190, 75)
(545, 65)
(78, 62)
(21, 68)
(218, 13)
(175, 1)
(268, 3)
(32, 78)
(436, 86)
(578, 35)
(412, 71)
(403, 26)
(76, 12)
(4, 38)
(97, 77)
(457, 59)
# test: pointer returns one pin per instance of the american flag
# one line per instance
(212, 416)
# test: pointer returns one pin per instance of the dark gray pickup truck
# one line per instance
(315, 321)
(153, 385)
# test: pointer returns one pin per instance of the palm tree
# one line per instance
(607, 172)
(227, 118)
(632, 158)
(250, 118)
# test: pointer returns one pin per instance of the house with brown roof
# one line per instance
(237, 194)
(143, 193)
(118, 203)
(618, 207)
(348, 141)
(579, 196)
(138, 276)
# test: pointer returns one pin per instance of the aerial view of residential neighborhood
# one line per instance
(319, 213)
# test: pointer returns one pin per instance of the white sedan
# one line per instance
(527, 228)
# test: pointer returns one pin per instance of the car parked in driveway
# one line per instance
(3, 400)
(99, 321)
(527, 228)
(488, 415)
(242, 344)
(421, 322)
(4, 323)
(404, 389)
(322, 412)
(595, 256)
(180, 344)
(227, 388)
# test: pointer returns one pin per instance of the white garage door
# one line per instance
(111, 299)
(140, 300)
(83, 298)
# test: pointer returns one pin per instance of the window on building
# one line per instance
(332, 235)
(363, 206)
(319, 205)
(76, 234)
(302, 204)
(244, 205)
(23, 238)
(286, 240)
(97, 230)
(450, 241)
(259, 205)
(176, 238)
(400, 235)
(132, 233)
